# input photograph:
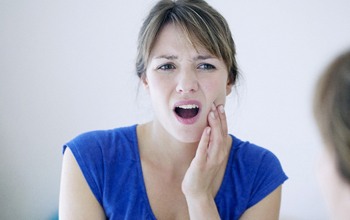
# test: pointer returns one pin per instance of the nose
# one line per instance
(187, 82)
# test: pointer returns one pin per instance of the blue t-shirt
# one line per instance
(111, 165)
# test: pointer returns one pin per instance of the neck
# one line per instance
(341, 205)
(163, 147)
(335, 188)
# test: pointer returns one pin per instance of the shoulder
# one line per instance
(105, 135)
(98, 153)
(252, 155)
(76, 198)
(258, 168)
(99, 141)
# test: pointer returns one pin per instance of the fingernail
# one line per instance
(208, 131)
(221, 109)
(212, 115)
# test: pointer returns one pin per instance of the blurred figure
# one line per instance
(332, 112)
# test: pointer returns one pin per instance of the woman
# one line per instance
(332, 111)
(183, 164)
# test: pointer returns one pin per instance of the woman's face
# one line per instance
(183, 83)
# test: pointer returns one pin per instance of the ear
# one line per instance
(228, 88)
(144, 81)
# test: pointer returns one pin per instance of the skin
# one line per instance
(76, 199)
(183, 164)
(334, 188)
(177, 72)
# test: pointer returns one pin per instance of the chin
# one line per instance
(188, 140)
(190, 135)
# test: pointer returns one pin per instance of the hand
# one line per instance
(212, 152)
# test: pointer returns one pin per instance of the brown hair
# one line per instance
(332, 110)
(202, 25)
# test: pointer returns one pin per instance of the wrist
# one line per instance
(202, 207)
(198, 198)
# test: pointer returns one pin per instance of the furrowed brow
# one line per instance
(204, 57)
(168, 57)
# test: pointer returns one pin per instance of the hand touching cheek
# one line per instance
(211, 156)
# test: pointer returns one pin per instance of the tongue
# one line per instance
(186, 113)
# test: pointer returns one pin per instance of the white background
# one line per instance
(67, 67)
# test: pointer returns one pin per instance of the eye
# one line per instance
(167, 66)
(206, 66)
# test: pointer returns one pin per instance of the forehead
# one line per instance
(173, 37)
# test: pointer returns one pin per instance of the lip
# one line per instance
(188, 121)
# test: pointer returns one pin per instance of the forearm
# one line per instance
(202, 208)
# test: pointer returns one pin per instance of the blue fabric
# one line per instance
(111, 164)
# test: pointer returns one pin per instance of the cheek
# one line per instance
(158, 84)
(159, 91)
(216, 91)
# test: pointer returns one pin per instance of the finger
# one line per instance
(216, 136)
(214, 109)
(223, 119)
(215, 122)
(202, 150)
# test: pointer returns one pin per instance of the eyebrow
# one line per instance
(173, 57)
(204, 57)
(170, 57)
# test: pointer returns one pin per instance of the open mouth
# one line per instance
(187, 111)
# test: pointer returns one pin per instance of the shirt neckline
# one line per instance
(140, 172)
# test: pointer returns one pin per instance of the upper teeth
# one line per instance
(191, 106)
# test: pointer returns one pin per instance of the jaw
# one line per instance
(174, 133)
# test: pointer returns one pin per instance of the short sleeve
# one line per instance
(269, 176)
(252, 173)
(88, 154)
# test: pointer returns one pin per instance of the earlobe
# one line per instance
(144, 81)
(228, 88)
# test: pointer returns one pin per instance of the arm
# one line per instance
(202, 208)
(266, 209)
(76, 199)
(198, 185)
